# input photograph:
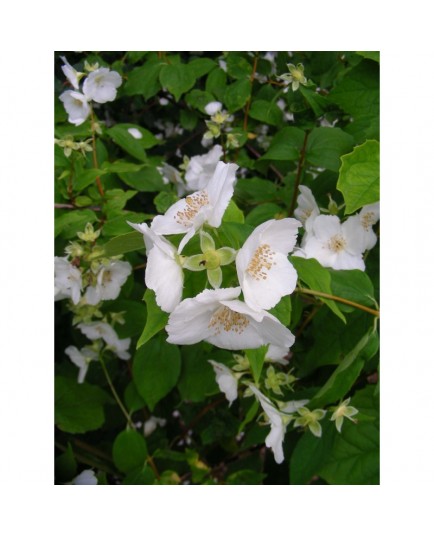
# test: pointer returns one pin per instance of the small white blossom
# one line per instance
(217, 317)
(81, 358)
(67, 280)
(188, 215)
(135, 133)
(278, 422)
(226, 379)
(264, 271)
(76, 106)
(109, 282)
(201, 168)
(102, 330)
(213, 107)
(86, 477)
(163, 273)
(310, 419)
(170, 174)
(101, 85)
(307, 209)
(151, 425)
(333, 244)
(364, 220)
(71, 74)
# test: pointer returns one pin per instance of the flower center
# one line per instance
(367, 220)
(194, 203)
(337, 243)
(228, 320)
(261, 262)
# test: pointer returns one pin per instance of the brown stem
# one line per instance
(252, 77)
(298, 176)
(69, 206)
(272, 167)
(374, 312)
(307, 321)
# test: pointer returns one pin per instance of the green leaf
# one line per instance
(86, 178)
(117, 224)
(343, 377)
(79, 408)
(69, 223)
(164, 200)
(263, 213)
(144, 80)
(188, 119)
(266, 112)
(66, 466)
(286, 145)
(132, 398)
(235, 234)
(133, 313)
(120, 135)
(354, 458)
(245, 476)
(358, 94)
(197, 379)
(353, 285)
(141, 476)
(370, 55)
(201, 66)
(198, 99)
(326, 145)
(156, 318)
(317, 102)
(123, 244)
(156, 369)
(310, 454)
(129, 451)
(216, 83)
(236, 95)
(282, 311)
(233, 213)
(255, 190)
(177, 79)
(237, 66)
(121, 166)
(147, 179)
(316, 277)
(116, 199)
(256, 359)
(359, 176)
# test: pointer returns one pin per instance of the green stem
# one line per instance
(298, 176)
(115, 394)
(320, 294)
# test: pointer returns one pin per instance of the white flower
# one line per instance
(102, 330)
(365, 219)
(163, 273)
(81, 358)
(333, 244)
(76, 106)
(264, 271)
(204, 206)
(295, 76)
(135, 133)
(71, 74)
(307, 209)
(201, 168)
(86, 477)
(171, 174)
(213, 107)
(277, 354)
(226, 379)
(216, 316)
(100, 86)
(278, 421)
(67, 280)
(151, 425)
(109, 282)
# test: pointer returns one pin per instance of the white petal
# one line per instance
(226, 380)
(354, 235)
(274, 440)
(75, 356)
(165, 277)
(325, 227)
(188, 322)
(86, 477)
(220, 190)
(281, 235)
(213, 107)
(135, 133)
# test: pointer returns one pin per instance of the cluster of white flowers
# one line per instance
(335, 244)
(100, 86)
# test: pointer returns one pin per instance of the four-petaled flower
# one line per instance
(110, 279)
(76, 105)
(334, 244)
(101, 85)
(216, 316)
(341, 411)
(187, 215)
(264, 271)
